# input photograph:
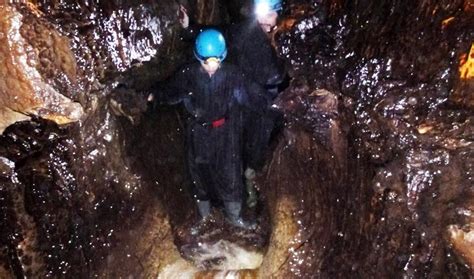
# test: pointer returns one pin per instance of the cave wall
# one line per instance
(372, 175)
(32, 54)
(71, 198)
(379, 121)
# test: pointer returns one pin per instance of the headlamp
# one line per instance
(212, 60)
(262, 9)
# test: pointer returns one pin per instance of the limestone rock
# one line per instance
(31, 55)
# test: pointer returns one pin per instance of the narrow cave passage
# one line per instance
(159, 153)
(371, 175)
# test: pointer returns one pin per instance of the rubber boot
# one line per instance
(204, 209)
(233, 212)
(250, 186)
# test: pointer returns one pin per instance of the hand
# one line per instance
(183, 17)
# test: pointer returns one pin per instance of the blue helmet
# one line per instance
(210, 43)
(264, 6)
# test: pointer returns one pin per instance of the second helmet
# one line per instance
(268, 5)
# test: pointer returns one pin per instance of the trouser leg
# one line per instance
(200, 180)
(201, 191)
(228, 176)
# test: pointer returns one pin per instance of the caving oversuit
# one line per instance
(252, 52)
(214, 130)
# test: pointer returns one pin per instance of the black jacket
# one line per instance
(251, 50)
(214, 152)
(209, 98)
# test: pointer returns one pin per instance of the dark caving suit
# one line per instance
(252, 52)
(214, 129)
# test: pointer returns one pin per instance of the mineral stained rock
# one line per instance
(370, 177)
(71, 203)
(32, 53)
(381, 181)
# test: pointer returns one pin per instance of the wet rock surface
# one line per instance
(34, 55)
(72, 203)
(221, 246)
(387, 169)
(371, 175)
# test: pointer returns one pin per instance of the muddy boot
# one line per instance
(233, 212)
(204, 208)
(250, 186)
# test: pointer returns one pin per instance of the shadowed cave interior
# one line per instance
(370, 176)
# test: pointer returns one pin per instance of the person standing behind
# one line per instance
(253, 53)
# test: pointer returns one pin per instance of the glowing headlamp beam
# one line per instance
(213, 60)
(262, 9)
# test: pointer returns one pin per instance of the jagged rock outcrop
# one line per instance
(71, 199)
(33, 55)
(381, 184)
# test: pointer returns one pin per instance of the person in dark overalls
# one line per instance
(251, 50)
(214, 94)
